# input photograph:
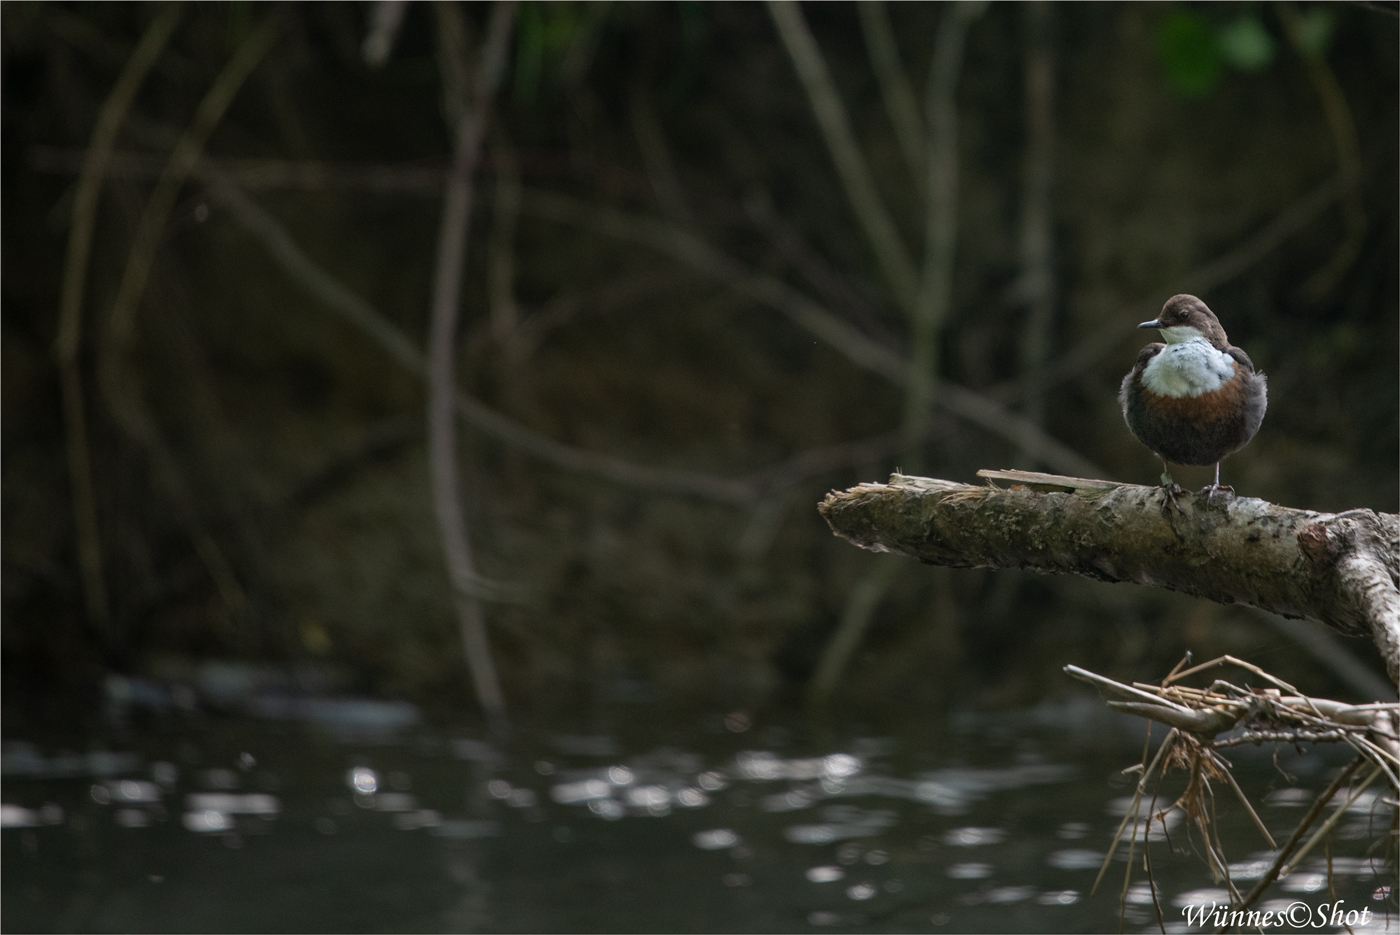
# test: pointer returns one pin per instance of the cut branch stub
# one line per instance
(1341, 569)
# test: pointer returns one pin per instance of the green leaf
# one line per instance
(1190, 54)
(1245, 44)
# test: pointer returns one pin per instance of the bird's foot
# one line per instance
(1170, 491)
(1210, 490)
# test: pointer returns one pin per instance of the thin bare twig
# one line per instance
(1147, 865)
(1331, 652)
(70, 315)
(1330, 823)
(1266, 715)
(262, 174)
(1244, 800)
(831, 329)
(856, 615)
(505, 215)
(900, 105)
(851, 166)
(1133, 807)
(934, 302)
(306, 272)
(1306, 822)
(1343, 127)
(834, 288)
(656, 156)
(1093, 678)
(1257, 737)
(1037, 283)
(471, 117)
(123, 397)
(930, 309)
(356, 311)
(850, 342)
(384, 29)
(536, 327)
(182, 161)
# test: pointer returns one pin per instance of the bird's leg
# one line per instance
(1170, 489)
(1210, 490)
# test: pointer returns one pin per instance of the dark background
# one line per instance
(301, 446)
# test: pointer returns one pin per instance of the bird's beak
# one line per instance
(1150, 324)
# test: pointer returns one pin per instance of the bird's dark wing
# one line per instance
(1144, 355)
(1151, 351)
(1241, 357)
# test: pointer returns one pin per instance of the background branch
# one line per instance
(1327, 648)
(1343, 129)
(505, 215)
(900, 105)
(471, 116)
(935, 296)
(807, 314)
(1037, 284)
(332, 293)
(118, 385)
(656, 156)
(930, 310)
(70, 314)
(385, 22)
(851, 166)
(261, 174)
(986, 409)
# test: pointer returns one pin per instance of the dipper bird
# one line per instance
(1194, 399)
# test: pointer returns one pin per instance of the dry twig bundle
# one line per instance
(1205, 720)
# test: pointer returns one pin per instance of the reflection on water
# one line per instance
(350, 815)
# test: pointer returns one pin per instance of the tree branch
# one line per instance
(70, 327)
(1343, 127)
(850, 342)
(900, 105)
(417, 179)
(470, 116)
(118, 384)
(337, 297)
(1342, 569)
(1328, 650)
(931, 306)
(935, 298)
(385, 22)
(1037, 285)
(855, 173)
(656, 157)
(227, 177)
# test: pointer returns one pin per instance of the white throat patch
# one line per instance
(1178, 334)
(1188, 367)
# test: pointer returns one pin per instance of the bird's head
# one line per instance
(1185, 318)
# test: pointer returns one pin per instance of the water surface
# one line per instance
(352, 815)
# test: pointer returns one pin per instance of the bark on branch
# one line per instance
(1342, 569)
